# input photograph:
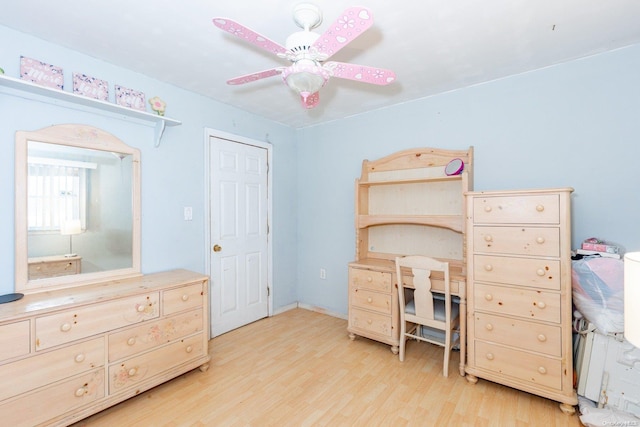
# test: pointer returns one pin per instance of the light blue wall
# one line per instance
(572, 125)
(172, 174)
(575, 124)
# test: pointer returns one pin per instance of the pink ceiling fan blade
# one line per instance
(310, 100)
(361, 73)
(248, 35)
(349, 25)
(248, 78)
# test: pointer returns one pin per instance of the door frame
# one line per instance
(208, 133)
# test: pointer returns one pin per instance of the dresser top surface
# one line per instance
(46, 301)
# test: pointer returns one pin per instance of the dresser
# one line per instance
(54, 266)
(67, 354)
(406, 204)
(519, 329)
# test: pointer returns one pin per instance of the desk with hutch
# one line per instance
(405, 205)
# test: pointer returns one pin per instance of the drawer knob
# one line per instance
(540, 208)
(131, 341)
(65, 327)
(189, 349)
(542, 370)
(131, 372)
(488, 238)
(541, 304)
(140, 308)
(540, 272)
(489, 327)
(540, 240)
(185, 297)
(369, 279)
(79, 357)
(488, 297)
(369, 321)
(369, 300)
(542, 337)
(81, 391)
(487, 208)
(489, 356)
(488, 267)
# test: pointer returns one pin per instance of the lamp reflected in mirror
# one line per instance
(70, 228)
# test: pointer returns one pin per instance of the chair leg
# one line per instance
(447, 353)
(403, 340)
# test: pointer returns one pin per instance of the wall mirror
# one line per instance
(77, 208)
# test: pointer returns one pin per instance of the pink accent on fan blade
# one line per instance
(246, 34)
(349, 25)
(248, 78)
(362, 73)
(309, 100)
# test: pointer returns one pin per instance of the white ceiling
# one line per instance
(434, 46)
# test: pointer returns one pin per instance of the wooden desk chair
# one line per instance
(427, 316)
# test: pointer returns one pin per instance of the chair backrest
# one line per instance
(421, 268)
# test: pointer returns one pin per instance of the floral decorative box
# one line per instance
(41, 73)
(90, 87)
(130, 98)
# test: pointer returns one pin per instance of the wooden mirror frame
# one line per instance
(81, 136)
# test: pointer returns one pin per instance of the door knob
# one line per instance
(217, 248)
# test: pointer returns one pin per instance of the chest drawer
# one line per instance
(524, 303)
(140, 368)
(369, 300)
(61, 267)
(46, 403)
(534, 272)
(370, 321)
(14, 340)
(181, 299)
(33, 372)
(86, 321)
(153, 334)
(368, 279)
(529, 367)
(535, 241)
(533, 336)
(531, 209)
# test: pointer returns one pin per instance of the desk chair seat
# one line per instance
(427, 316)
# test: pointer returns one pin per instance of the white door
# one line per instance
(239, 234)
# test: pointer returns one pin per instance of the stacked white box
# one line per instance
(608, 370)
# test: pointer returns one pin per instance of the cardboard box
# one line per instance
(600, 247)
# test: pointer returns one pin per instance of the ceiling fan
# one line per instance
(308, 52)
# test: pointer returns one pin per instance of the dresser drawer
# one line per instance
(181, 299)
(521, 365)
(46, 403)
(369, 300)
(14, 340)
(522, 334)
(143, 367)
(368, 279)
(62, 267)
(524, 303)
(535, 241)
(153, 334)
(33, 372)
(86, 321)
(533, 272)
(370, 322)
(521, 209)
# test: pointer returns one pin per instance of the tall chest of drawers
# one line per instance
(519, 291)
(67, 354)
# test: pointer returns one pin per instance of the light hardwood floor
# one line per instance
(299, 368)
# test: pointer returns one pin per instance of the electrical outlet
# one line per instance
(323, 273)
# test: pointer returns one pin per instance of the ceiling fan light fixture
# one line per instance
(305, 77)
